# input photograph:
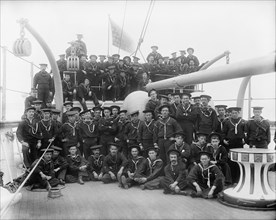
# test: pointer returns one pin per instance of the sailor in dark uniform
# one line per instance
(44, 175)
(55, 116)
(77, 168)
(81, 45)
(197, 101)
(220, 156)
(221, 109)
(116, 58)
(258, 130)
(145, 132)
(150, 172)
(60, 164)
(67, 88)
(62, 65)
(102, 64)
(29, 136)
(175, 174)
(107, 129)
(88, 132)
(192, 57)
(38, 113)
(207, 121)
(69, 134)
(120, 137)
(43, 82)
(182, 147)
(175, 104)
(109, 83)
(115, 109)
(164, 130)
(132, 128)
(97, 110)
(206, 179)
(164, 100)
(113, 165)
(95, 163)
(186, 116)
(68, 105)
(155, 54)
(153, 102)
(47, 128)
(29, 100)
(134, 162)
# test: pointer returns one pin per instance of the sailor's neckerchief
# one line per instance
(147, 125)
(30, 124)
(151, 164)
(186, 110)
(206, 109)
(220, 122)
(215, 153)
(47, 127)
(136, 128)
(88, 125)
(258, 122)
(97, 161)
(208, 170)
(235, 124)
(172, 169)
(181, 146)
(72, 126)
(165, 126)
(136, 161)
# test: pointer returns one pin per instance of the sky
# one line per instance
(245, 28)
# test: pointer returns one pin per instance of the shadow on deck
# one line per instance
(95, 200)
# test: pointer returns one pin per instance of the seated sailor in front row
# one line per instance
(113, 165)
(95, 163)
(44, 175)
(149, 173)
(205, 178)
(77, 166)
(133, 163)
(60, 164)
(175, 174)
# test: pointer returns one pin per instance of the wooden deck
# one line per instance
(95, 200)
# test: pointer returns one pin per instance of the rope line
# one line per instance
(19, 57)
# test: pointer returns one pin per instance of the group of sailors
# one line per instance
(110, 77)
(182, 143)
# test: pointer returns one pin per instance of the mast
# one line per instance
(108, 34)
(4, 85)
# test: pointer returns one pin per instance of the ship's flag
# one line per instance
(121, 39)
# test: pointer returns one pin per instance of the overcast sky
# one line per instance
(246, 28)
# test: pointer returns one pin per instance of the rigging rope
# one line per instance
(19, 57)
(122, 29)
(145, 26)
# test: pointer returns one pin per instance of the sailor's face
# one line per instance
(68, 107)
(115, 111)
(113, 150)
(73, 150)
(173, 158)
(202, 139)
(153, 95)
(176, 99)
(221, 111)
(30, 113)
(134, 152)
(148, 116)
(48, 156)
(72, 118)
(204, 101)
(179, 140)
(234, 114)
(165, 112)
(122, 116)
(257, 113)
(106, 112)
(152, 154)
(67, 77)
(55, 153)
(215, 142)
(134, 117)
(96, 152)
(55, 116)
(37, 106)
(204, 159)
(185, 99)
(47, 115)
(97, 113)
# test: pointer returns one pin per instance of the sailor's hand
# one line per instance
(48, 177)
(116, 139)
(141, 146)
(100, 176)
(210, 194)
(51, 94)
(226, 142)
(172, 139)
(113, 177)
(38, 145)
(109, 87)
(96, 176)
(198, 190)
(25, 144)
(143, 180)
(57, 169)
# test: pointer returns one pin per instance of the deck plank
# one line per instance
(95, 200)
